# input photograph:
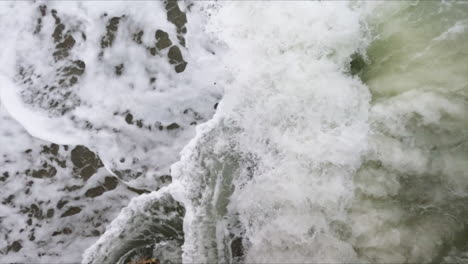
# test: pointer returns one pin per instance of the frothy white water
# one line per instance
(151, 223)
(269, 178)
(298, 166)
(118, 77)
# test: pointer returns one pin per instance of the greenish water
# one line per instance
(412, 191)
(418, 46)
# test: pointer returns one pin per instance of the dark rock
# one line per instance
(87, 172)
(180, 67)
(119, 69)
(54, 148)
(357, 64)
(139, 123)
(71, 211)
(72, 188)
(36, 211)
(15, 246)
(181, 40)
(112, 26)
(162, 40)
(73, 80)
(175, 15)
(94, 192)
(32, 237)
(38, 26)
(50, 213)
(172, 126)
(57, 35)
(61, 204)
(48, 172)
(60, 54)
(138, 191)
(175, 56)
(85, 161)
(165, 180)
(43, 9)
(68, 43)
(237, 248)
(111, 183)
(8, 199)
(77, 68)
(67, 231)
(138, 36)
(54, 14)
(129, 119)
(4, 176)
(153, 51)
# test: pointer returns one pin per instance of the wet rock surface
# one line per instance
(86, 163)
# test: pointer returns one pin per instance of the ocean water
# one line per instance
(236, 132)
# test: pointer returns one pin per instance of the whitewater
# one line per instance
(234, 131)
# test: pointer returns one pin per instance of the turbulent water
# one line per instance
(317, 132)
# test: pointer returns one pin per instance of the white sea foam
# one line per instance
(275, 164)
(94, 111)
